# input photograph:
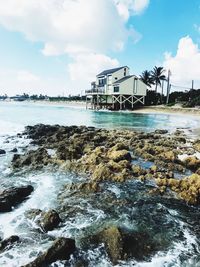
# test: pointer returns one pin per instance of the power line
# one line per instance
(178, 86)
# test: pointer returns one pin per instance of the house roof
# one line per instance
(110, 71)
(123, 79)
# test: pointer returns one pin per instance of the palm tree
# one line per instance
(158, 76)
(146, 78)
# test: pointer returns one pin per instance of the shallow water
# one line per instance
(14, 116)
(166, 220)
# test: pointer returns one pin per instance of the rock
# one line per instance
(102, 172)
(14, 150)
(49, 220)
(181, 139)
(113, 240)
(188, 188)
(161, 131)
(46, 220)
(13, 196)
(192, 163)
(119, 155)
(196, 145)
(2, 152)
(137, 170)
(9, 242)
(61, 249)
(33, 159)
(121, 244)
(178, 132)
(84, 188)
(169, 156)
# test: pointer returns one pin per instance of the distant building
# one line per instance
(116, 89)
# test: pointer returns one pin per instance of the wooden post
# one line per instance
(120, 101)
(113, 103)
(97, 101)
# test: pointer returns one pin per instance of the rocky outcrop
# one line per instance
(192, 163)
(121, 244)
(61, 249)
(9, 242)
(188, 188)
(13, 196)
(196, 145)
(106, 155)
(33, 159)
(2, 152)
(48, 220)
(14, 150)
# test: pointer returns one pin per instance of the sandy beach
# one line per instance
(143, 110)
(169, 110)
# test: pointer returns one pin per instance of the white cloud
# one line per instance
(85, 30)
(26, 76)
(128, 7)
(185, 65)
(82, 24)
(14, 82)
(94, 62)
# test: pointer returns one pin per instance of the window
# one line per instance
(101, 82)
(135, 85)
(124, 71)
(116, 89)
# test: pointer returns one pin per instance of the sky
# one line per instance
(56, 47)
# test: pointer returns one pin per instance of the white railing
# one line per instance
(96, 90)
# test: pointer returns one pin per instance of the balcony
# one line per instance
(96, 90)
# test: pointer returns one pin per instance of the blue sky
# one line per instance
(56, 47)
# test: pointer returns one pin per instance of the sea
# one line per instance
(164, 219)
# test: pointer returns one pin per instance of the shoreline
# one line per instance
(141, 110)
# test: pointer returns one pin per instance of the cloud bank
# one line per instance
(185, 65)
(85, 30)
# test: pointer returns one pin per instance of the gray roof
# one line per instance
(110, 71)
(123, 79)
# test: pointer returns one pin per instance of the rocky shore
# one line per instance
(103, 155)
(169, 162)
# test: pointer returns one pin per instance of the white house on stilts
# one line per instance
(116, 89)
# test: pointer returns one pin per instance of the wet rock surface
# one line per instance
(2, 152)
(133, 192)
(61, 249)
(107, 155)
(9, 242)
(122, 245)
(47, 220)
(13, 196)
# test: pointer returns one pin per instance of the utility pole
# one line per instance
(162, 91)
(192, 84)
(168, 86)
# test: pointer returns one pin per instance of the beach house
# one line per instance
(116, 89)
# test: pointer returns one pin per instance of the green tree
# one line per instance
(147, 78)
(157, 74)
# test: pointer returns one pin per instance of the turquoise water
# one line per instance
(14, 116)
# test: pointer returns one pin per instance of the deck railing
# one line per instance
(96, 90)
